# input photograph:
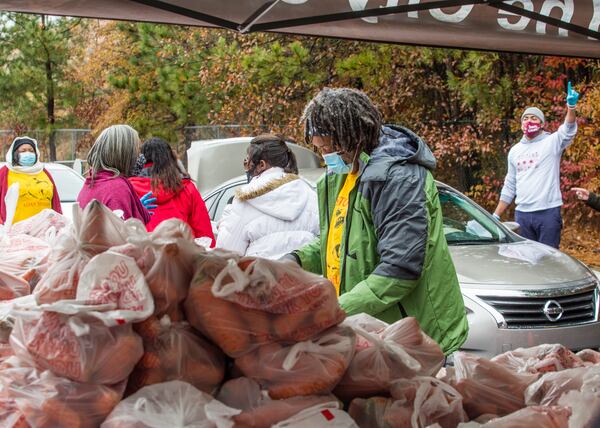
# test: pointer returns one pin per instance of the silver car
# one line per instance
(518, 293)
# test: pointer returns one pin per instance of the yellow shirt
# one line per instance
(35, 193)
(336, 231)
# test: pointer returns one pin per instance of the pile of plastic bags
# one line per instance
(104, 324)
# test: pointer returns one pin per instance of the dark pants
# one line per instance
(542, 226)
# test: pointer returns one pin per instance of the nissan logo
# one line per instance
(553, 310)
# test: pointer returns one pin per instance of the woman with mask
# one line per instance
(37, 190)
(111, 160)
(176, 194)
(276, 211)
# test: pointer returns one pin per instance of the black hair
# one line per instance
(272, 148)
(346, 115)
(165, 171)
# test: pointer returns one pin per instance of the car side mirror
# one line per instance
(513, 226)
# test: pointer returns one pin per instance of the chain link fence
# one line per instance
(74, 143)
(71, 144)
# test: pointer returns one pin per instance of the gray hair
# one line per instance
(346, 115)
(116, 149)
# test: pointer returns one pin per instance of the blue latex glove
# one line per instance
(572, 96)
(148, 202)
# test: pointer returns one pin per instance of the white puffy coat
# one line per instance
(271, 216)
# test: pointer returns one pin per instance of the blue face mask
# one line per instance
(27, 159)
(335, 163)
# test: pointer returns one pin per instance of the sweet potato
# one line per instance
(307, 368)
(385, 353)
(12, 286)
(78, 347)
(177, 353)
(260, 411)
(48, 401)
(488, 387)
(252, 302)
(416, 402)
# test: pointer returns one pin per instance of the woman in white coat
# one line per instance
(277, 211)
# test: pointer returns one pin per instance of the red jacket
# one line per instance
(186, 205)
(4, 188)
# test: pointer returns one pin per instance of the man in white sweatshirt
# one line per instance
(533, 177)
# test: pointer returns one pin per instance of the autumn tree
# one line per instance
(34, 60)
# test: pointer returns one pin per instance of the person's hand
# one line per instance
(148, 202)
(582, 194)
(572, 96)
(496, 216)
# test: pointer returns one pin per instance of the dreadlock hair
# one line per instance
(165, 171)
(272, 148)
(346, 115)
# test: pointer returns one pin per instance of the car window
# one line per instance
(464, 223)
(225, 199)
(68, 183)
(210, 202)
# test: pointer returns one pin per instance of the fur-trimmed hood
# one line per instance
(276, 193)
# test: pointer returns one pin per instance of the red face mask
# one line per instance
(530, 129)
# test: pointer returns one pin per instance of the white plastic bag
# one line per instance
(77, 344)
(94, 230)
(320, 416)
(48, 401)
(241, 305)
(547, 390)
(45, 225)
(539, 359)
(116, 280)
(385, 353)
(310, 367)
(258, 409)
(170, 404)
(415, 403)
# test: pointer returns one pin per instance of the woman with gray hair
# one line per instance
(112, 159)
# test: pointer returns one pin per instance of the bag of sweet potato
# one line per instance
(170, 404)
(258, 410)
(311, 367)
(385, 353)
(175, 352)
(78, 346)
(94, 230)
(243, 304)
(40, 399)
(418, 402)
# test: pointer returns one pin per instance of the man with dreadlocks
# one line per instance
(382, 243)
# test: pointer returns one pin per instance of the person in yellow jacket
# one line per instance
(37, 190)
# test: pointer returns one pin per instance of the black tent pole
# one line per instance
(210, 19)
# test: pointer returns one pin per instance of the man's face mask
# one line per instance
(27, 159)
(530, 128)
(335, 163)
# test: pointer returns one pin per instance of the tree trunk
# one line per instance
(50, 99)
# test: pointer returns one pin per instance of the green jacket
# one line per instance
(395, 260)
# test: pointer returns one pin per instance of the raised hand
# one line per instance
(572, 96)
